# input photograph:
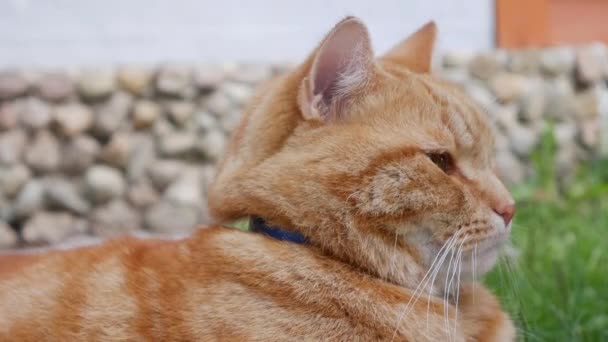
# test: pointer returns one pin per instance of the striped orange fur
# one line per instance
(387, 171)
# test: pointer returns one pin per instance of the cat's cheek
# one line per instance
(485, 262)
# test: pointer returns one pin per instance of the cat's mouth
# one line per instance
(481, 256)
(471, 259)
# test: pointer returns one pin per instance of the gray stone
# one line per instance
(283, 67)
(456, 59)
(508, 87)
(565, 134)
(142, 155)
(237, 92)
(142, 195)
(187, 190)
(603, 127)
(115, 218)
(13, 178)
(43, 154)
(229, 121)
(51, 227)
(501, 141)
(532, 106)
(12, 84)
(135, 79)
(177, 144)
(523, 139)
(589, 133)
(566, 161)
(510, 170)
(55, 86)
(73, 118)
(8, 236)
(111, 115)
(588, 103)
(212, 144)
(162, 128)
(560, 101)
(34, 114)
(117, 151)
(460, 76)
(180, 111)
(164, 171)
(63, 194)
(12, 144)
(207, 175)
(104, 183)
(95, 83)
(6, 209)
(592, 63)
(505, 116)
(79, 153)
(145, 113)
(557, 60)
(525, 61)
(8, 116)
(484, 66)
(251, 74)
(175, 80)
(208, 77)
(205, 121)
(30, 199)
(218, 103)
(170, 218)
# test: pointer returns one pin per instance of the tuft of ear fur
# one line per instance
(341, 67)
(416, 51)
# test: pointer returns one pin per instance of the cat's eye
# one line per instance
(443, 160)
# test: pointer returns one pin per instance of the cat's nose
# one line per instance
(506, 211)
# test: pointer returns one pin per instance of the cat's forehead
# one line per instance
(424, 104)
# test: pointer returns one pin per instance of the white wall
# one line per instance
(61, 32)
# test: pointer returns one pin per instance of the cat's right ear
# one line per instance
(341, 67)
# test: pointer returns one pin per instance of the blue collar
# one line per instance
(258, 225)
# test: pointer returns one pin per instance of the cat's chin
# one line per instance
(478, 261)
(474, 262)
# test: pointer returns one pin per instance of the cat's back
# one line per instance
(220, 283)
(212, 284)
(65, 295)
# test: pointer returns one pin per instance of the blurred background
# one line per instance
(113, 113)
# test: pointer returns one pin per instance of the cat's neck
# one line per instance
(361, 250)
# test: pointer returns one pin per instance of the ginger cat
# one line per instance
(379, 177)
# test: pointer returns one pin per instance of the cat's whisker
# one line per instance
(458, 285)
(445, 249)
(449, 286)
(474, 267)
(434, 276)
(446, 292)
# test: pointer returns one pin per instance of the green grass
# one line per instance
(556, 288)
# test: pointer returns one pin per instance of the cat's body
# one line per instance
(385, 170)
(221, 284)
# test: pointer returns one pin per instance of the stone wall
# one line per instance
(106, 151)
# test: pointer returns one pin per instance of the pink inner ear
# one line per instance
(344, 56)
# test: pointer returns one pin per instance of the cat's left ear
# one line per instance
(341, 67)
(416, 51)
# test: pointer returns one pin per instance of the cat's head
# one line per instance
(375, 160)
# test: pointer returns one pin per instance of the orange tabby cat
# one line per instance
(380, 177)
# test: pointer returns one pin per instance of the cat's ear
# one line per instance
(341, 67)
(416, 51)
